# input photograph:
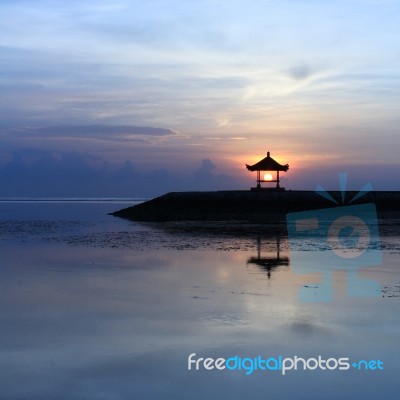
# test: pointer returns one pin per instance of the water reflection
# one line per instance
(114, 315)
(269, 263)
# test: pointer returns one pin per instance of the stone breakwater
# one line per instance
(263, 206)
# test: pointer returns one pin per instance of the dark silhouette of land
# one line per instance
(255, 206)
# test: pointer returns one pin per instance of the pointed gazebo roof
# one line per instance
(267, 164)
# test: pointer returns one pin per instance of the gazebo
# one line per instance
(268, 164)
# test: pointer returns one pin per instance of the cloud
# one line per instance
(272, 71)
(206, 177)
(300, 72)
(91, 131)
(205, 172)
(93, 138)
(45, 173)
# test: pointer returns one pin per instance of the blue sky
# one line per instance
(315, 82)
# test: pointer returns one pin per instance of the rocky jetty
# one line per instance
(255, 206)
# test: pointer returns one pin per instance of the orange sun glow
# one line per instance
(267, 177)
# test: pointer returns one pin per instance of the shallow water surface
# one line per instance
(94, 307)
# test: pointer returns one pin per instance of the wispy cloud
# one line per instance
(98, 132)
(300, 72)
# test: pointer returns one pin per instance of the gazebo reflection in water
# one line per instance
(268, 264)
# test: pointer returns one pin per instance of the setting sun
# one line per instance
(267, 177)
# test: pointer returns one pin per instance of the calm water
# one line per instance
(94, 307)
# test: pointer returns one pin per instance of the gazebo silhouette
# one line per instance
(268, 164)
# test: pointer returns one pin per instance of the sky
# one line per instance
(135, 98)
